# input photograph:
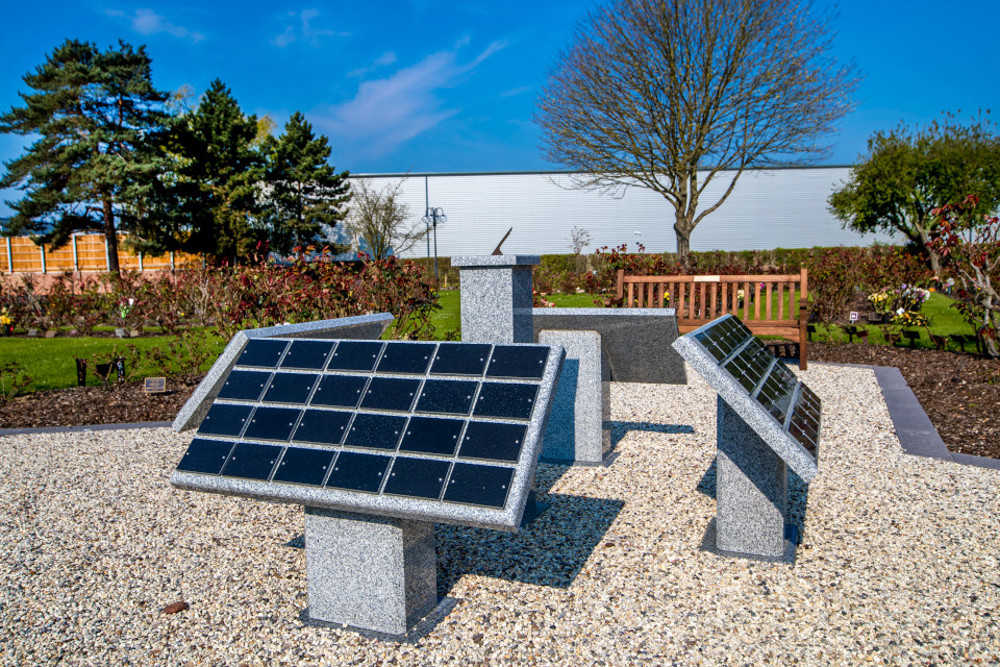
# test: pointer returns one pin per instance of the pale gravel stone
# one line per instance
(898, 564)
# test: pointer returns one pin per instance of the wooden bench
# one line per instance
(771, 305)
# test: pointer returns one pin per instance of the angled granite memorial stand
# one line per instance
(768, 421)
(377, 440)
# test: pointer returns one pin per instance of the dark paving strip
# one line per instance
(914, 429)
(91, 427)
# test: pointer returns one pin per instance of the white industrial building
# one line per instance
(774, 208)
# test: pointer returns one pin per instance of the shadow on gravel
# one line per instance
(620, 429)
(550, 551)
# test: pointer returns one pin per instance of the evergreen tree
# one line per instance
(97, 115)
(303, 191)
(208, 201)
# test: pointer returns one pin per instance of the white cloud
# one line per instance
(387, 58)
(520, 90)
(148, 22)
(300, 27)
(389, 111)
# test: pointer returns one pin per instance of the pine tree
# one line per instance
(96, 114)
(208, 201)
(303, 192)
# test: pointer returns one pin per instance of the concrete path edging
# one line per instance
(913, 427)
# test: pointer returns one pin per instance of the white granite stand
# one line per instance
(577, 429)
(369, 572)
(496, 298)
(751, 490)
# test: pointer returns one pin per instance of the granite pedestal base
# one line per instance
(751, 490)
(577, 432)
(369, 572)
(496, 298)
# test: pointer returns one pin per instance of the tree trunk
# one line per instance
(683, 228)
(111, 237)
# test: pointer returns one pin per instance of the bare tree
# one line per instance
(579, 238)
(652, 92)
(379, 217)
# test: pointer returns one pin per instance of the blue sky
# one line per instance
(425, 85)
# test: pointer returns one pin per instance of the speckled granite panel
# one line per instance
(374, 573)
(637, 340)
(751, 490)
(195, 408)
(581, 406)
(496, 298)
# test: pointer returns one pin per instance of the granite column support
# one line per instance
(751, 490)
(369, 572)
(577, 429)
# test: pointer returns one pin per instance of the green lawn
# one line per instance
(944, 321)
(50, 361)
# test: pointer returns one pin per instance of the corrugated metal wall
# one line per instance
(784, 208)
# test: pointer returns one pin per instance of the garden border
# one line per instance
(914, 429)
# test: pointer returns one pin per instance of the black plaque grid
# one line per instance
(765, 378)
(440, 422)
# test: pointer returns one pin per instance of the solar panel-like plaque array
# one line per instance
(442, 431)
(766, 379)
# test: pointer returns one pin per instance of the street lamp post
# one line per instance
(432, 217)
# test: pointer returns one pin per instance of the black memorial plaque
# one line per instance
(251, 461)
(447, 396)
(341, 391)
(390, 394)
(262, 353)
(402, 358)
(516, 361)
(355, 356)
(309, 355)
(375, 431)
(460, 359)
(494, 441)
(507, 401)
(359, 472)
(418, 478)
(244, 385)
(322, 427)
(223, 419)
(270, 423)
(205, 456)
(472, 484)
(427, 435)
(290, 388)
(304, 466)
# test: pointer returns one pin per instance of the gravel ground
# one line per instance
(898, 562)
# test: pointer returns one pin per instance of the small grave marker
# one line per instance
(32, 333)
(157, 385)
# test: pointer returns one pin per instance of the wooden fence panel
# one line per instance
(84, 252)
